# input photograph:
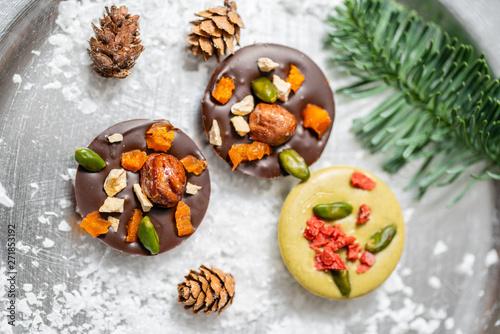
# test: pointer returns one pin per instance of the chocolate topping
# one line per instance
(242, 67)
(90, 194)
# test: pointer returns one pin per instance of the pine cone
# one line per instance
(209, 290)
(116, 47)
(216, 31)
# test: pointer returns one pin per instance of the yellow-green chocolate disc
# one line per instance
(328, 185)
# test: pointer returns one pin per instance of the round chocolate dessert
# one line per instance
(90, 194)
(341, 233)
(243, 69)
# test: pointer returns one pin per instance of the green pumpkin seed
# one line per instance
(89, 160)
(264, 89)
(335, 210)
(148, 236)
(381, 239)
(341, 279)
(294, 164)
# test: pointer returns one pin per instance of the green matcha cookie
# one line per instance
(376, 220)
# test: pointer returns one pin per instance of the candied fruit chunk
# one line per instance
(183, 219)
(94, 224)
(361, 181)
(160, 136)
(367, 258)
(329, 261)
(224, 90)
(133, 226)
(314, 226)
(362, 268)
(316, 118)
(353, 251)
(248, 152)
(133, 160)
(193, 164)
(363, 214)
(295, 78)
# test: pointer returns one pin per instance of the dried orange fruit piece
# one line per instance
(133, 226)
(317, 119)
(133, 160)
(247, 152)
(194, 165)
(94, 224)
(295, 78)
(160, 136)
(224, 90)
(183, 219)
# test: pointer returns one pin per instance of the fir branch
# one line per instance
(444, 107)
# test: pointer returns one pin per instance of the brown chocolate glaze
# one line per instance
(90, 194)
(242, 67)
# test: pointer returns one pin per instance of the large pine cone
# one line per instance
(216, 31)
(115, 47)
(209, 290)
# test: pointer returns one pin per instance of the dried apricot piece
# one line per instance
(193, 164)
(224, 90)
(94, 224)
(295, 78)
(133, 226)
(316, 118)
(133, 160)
(183, 219)
(247, 152)
(160, 136)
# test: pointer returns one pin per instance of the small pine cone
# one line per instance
(115, 47)
(216, 31)
(209, 290)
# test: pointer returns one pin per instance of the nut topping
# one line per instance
(163, 179)
(272, 124)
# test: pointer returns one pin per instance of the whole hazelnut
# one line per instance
(163, 179)
(271, 124)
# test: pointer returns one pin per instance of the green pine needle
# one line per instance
(444, 107)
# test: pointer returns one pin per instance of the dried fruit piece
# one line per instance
(163, 179)
(160, 136)
(89, 160)
(353, 251)
(283, 88)
(240, 125)
(115, 222)
(115, 138)
(145, 203)
(316, 118)
(367, 260)
(112, 204)
(133, 160)
(363, 214)
(214, 134)
(193, 164)
(192, 189)
(266, 64)
(295, 78)
(133, 226)
(271, 124)
(148, 236)
(94, 224)
(183, 219)
(115, 182)
(361, 181)
(244, 107)
(224, 90)
(248, 152)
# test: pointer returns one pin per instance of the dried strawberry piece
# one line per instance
(313, 227)
(353, 251)
(318, 241)
(327, 231)
(363, 214)
(334, 259)
(362, 268)
(367, 258)
(361, 181)
(340, 242)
